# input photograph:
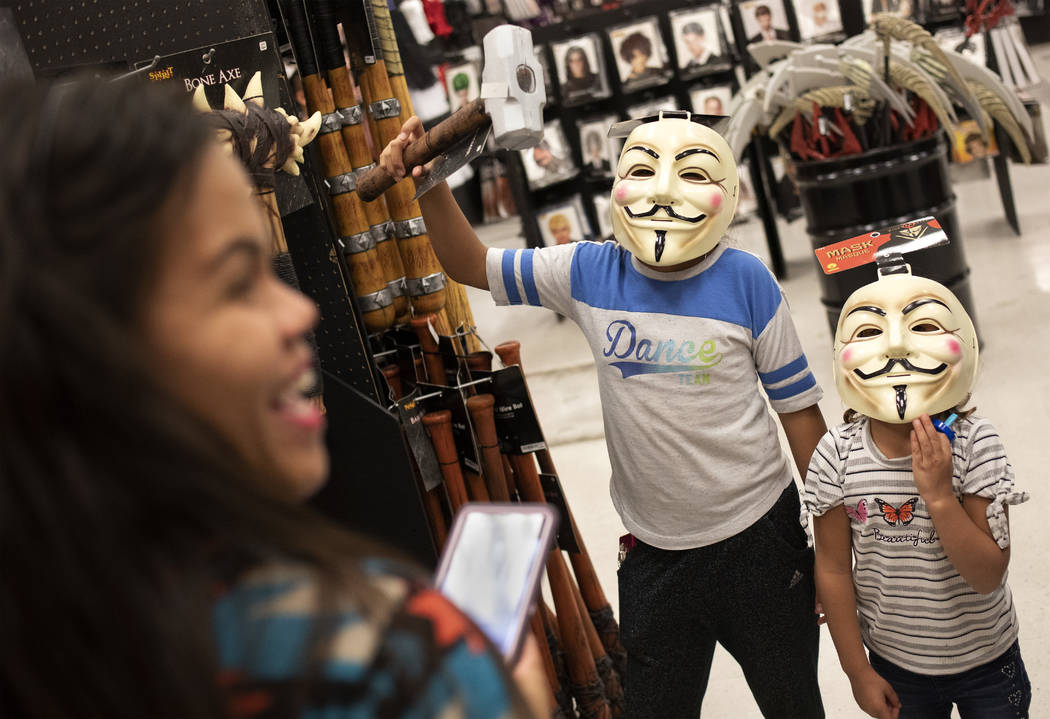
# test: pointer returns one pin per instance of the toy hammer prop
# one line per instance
(511, 104)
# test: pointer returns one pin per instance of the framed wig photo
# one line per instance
(462, 85)
(969, 143)
(599, 152)
(641, 56)
(818, 19)
(711, 99)
(747, 204)
(548, 81)
(764, 20)
(900, 8)
(564, 222)
(698, 43)
(581, 70)
(727, 29)
(603, 211)
(550, 161)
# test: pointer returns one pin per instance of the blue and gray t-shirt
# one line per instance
(694, 450)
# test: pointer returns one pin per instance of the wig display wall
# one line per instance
(586, 47)
(611, 65)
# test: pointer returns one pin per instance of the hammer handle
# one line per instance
(462, 123)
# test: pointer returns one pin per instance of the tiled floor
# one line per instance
(1011, 286)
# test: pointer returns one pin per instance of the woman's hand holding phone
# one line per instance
(531, 679)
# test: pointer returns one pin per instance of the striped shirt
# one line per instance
(680, 358)
(914, 607)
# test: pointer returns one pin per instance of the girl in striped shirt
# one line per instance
(909, 520)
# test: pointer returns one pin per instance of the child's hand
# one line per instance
(875, 695)
(931, 461)
(392, 157)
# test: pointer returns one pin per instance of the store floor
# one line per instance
(1011, 286)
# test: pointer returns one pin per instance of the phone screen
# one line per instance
(489, 571)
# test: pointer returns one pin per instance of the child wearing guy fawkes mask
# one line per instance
(683, 331)
(922, 511)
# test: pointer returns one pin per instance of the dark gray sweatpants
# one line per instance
(752, 593)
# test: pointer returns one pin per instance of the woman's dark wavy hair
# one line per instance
(118, 510)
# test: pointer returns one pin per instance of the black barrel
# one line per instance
(851, 196)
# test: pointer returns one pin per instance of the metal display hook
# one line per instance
(138, 71)
(428, 395)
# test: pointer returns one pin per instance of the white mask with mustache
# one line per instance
(904, 346)
(675, 191)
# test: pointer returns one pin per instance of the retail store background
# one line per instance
(1011, 286)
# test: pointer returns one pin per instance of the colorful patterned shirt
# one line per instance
(420, 658)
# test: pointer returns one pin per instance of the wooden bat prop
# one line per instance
(603, 663)
(392, 374)
(432, 503)
(373, 296)
(350, 115)
(439, 427)
(480, 407)
(432, 500)
(479, 361)
(425, 279)
(550, 630)
(587, 686)
(476, 489)
(435, 363)
(538, 633)
(591, 589)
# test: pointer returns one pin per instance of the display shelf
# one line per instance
(371, 486)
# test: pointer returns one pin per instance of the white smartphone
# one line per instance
(492, 564)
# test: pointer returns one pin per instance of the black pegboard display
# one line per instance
(364, 439)
(71, 33)
(342, 348)
(59, 35)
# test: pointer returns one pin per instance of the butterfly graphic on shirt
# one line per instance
(860, 514)
(897, 515)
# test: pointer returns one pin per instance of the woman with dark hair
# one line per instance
(579, 78)
(154, 439)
